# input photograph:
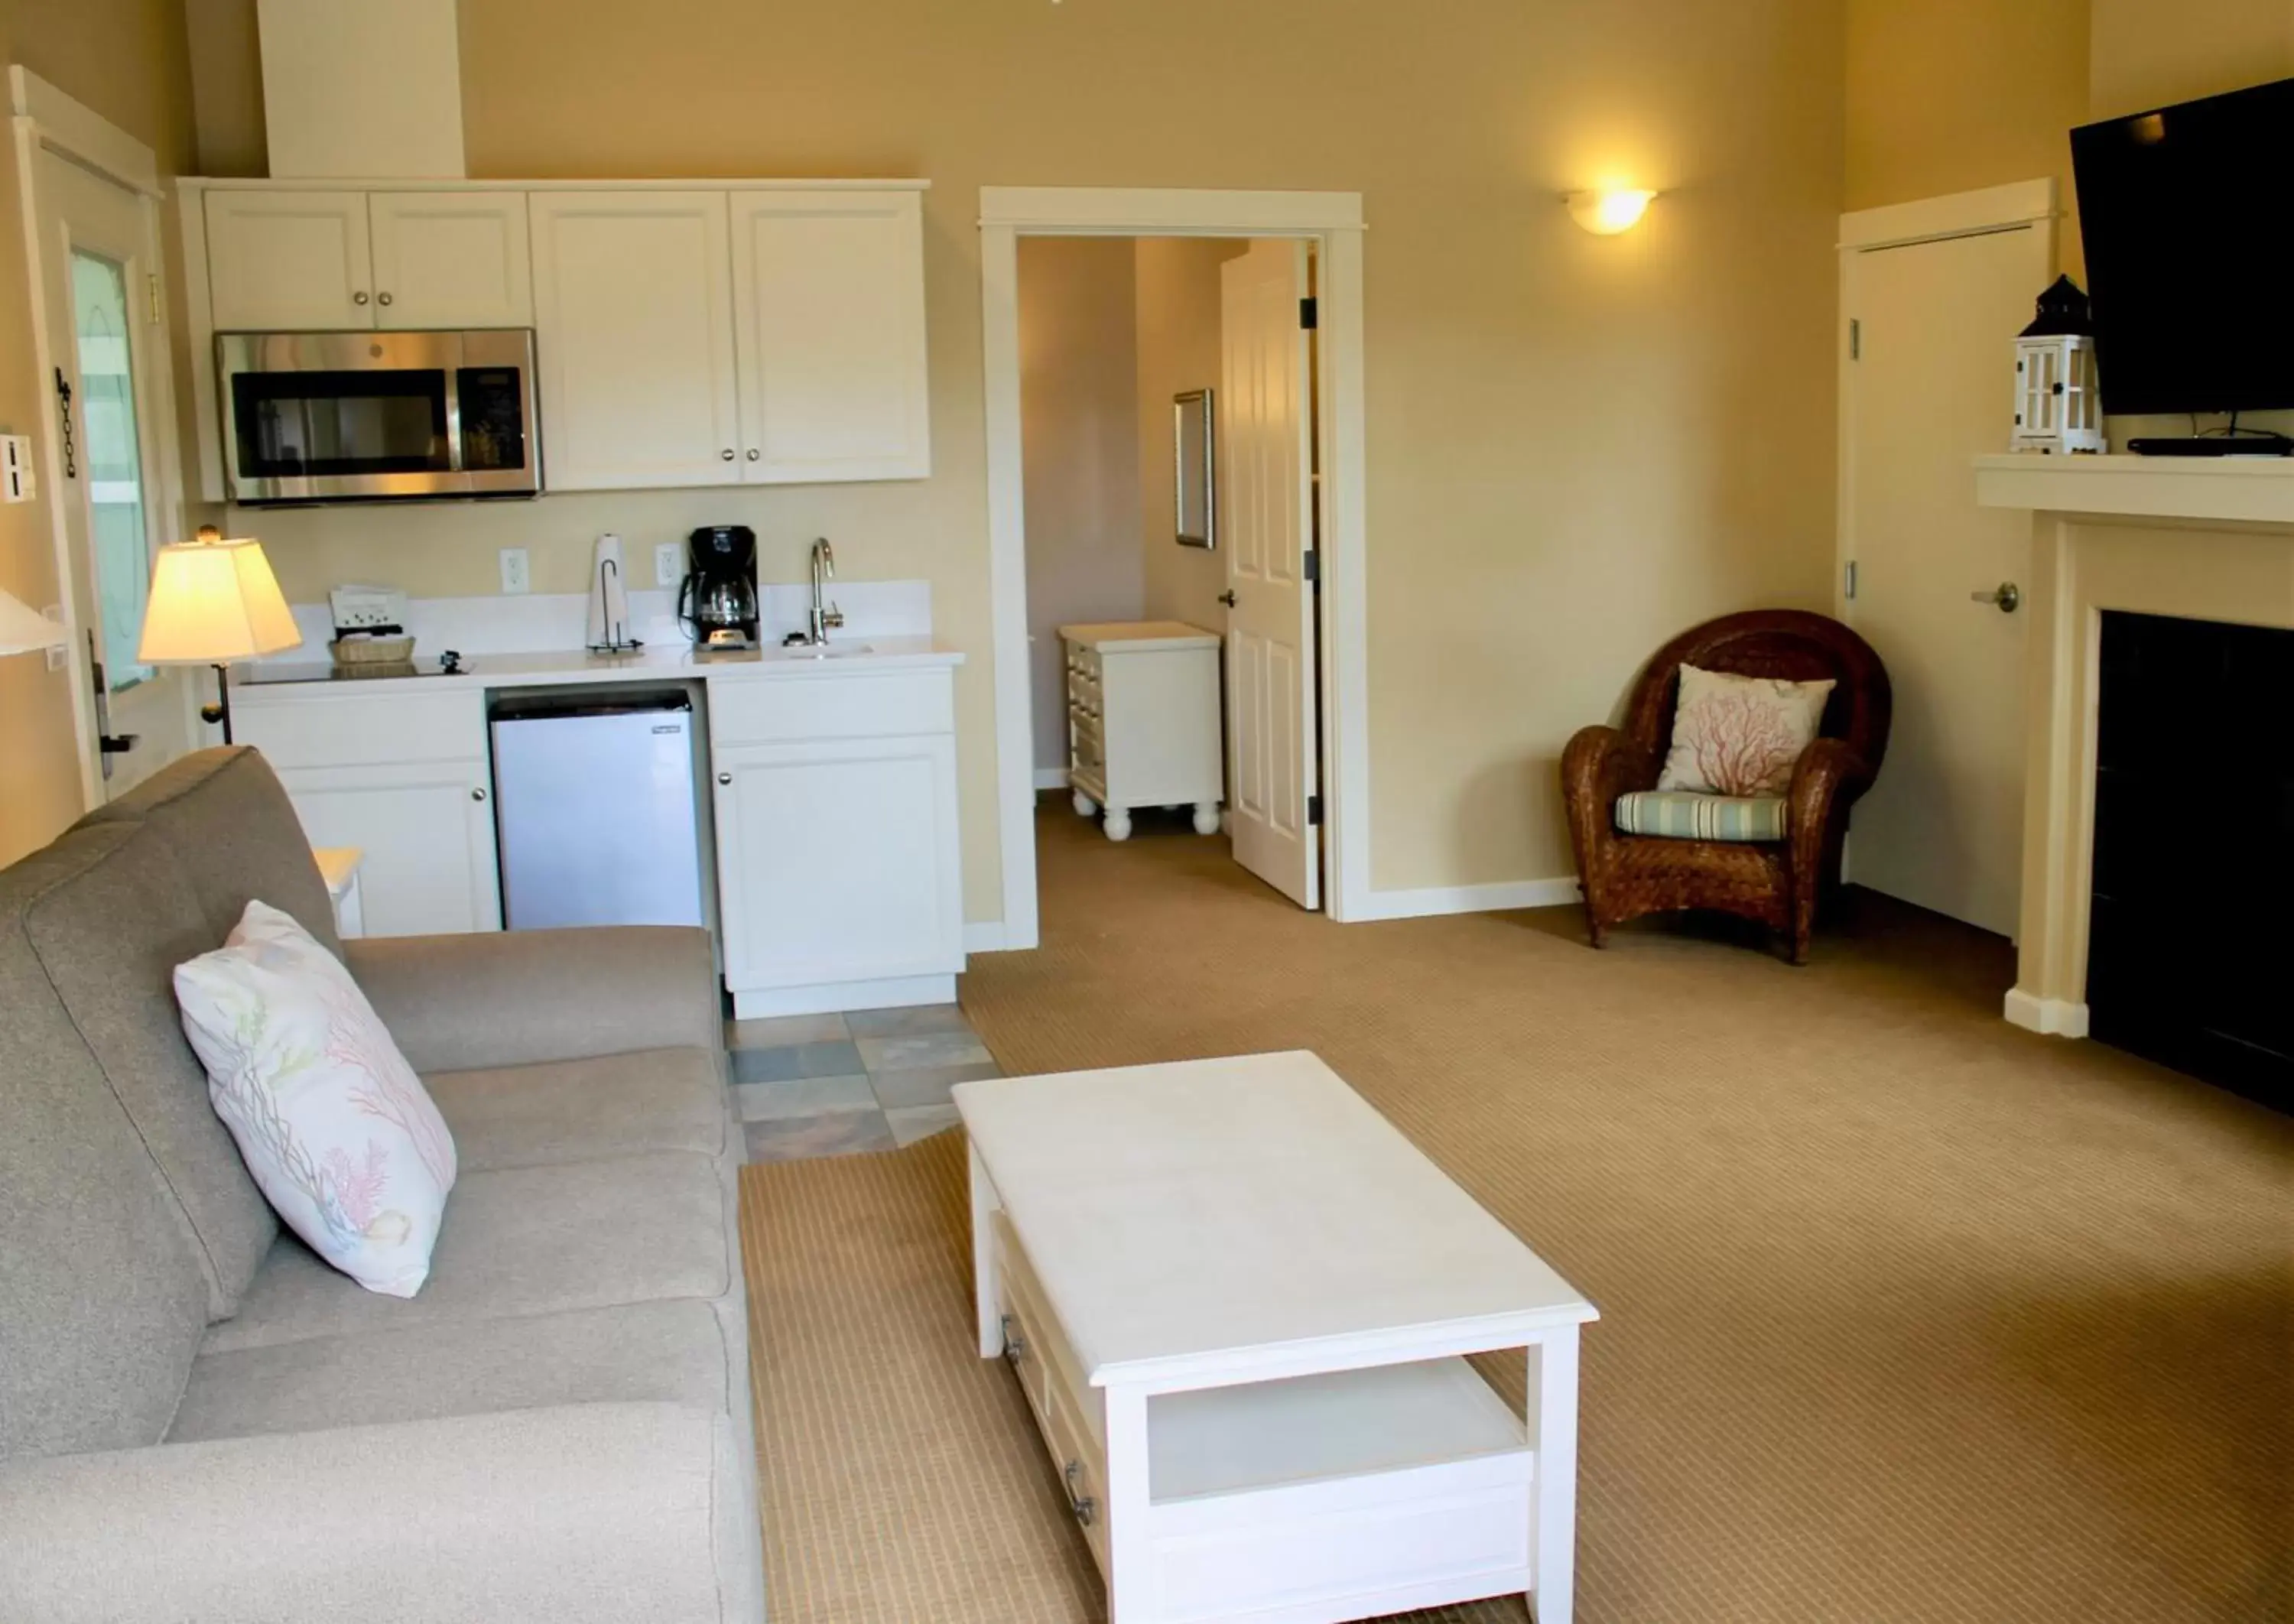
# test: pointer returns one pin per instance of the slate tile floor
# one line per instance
(832, 1085)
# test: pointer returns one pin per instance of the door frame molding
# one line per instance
(44, 119)
(1332, 221)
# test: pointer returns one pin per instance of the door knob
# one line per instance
(359, 298)
(382, 299)
(724, 777)
(477, 794)
(726, 453)
(1227, 598)
(752, 453)
(2006, 596)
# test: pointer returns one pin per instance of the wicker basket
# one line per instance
(372, 651)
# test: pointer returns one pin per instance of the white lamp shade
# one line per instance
(23, 629)
(212, 603)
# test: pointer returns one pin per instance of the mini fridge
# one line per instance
(596, 810)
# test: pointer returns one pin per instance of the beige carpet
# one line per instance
(1908, 1315)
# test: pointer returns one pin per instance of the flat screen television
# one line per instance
(2185, 213)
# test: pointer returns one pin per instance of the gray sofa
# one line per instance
(199, 1420)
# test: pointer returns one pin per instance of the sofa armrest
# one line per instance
(517, 997)
(594, 1513)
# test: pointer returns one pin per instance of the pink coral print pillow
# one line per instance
(336, 1127)
(1740, 736)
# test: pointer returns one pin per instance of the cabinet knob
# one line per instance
(724, 777)
(752, 453)
(382, 299)
(477, 794)
(726, 453)
(359, 298)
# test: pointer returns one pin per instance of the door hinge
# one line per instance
(1313, 566)
(1855, 339)
(1309, 314)
(1848, 578)
(1314, 809)
(156, 301)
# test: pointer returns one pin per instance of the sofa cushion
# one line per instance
(672, 1351)
(226, 817)
(1686, 815)
(110, 938)
(578, 1110)
(518, 1241)
(102, 1300)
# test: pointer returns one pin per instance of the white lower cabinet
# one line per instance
(427, 832)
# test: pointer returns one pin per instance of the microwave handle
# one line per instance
(454, 409)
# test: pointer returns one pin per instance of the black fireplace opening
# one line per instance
(2190, 941)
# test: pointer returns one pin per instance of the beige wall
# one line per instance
(1178, 324)
(2145, 53)
(1576, 446)
(1080, 431)
(126, 61)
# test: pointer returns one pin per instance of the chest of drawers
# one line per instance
(1144, 720)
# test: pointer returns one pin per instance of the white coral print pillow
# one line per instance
(1740, 736)
(336, 1127)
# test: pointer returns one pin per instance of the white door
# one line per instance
(633, 333)
(1931, 386)
(98, 264)
(288, 260)
(450, 259)
(835, 862)
(829, 292)
(426, 832)
(1265, 493)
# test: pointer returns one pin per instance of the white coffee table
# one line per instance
(1237, 1300)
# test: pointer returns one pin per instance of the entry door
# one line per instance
(1930, 387)
(98, 258)
(1266, 486)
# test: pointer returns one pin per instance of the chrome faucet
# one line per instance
(824, 614)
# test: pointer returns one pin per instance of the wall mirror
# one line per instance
(1192, 468)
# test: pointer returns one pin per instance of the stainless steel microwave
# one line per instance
(335, 416)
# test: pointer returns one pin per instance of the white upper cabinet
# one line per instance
(829, 290)
(288, 260)
(450, 259)
(633, 334)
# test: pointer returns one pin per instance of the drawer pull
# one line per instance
(1084, 1507)
(1016, 1346)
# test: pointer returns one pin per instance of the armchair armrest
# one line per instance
(517, 997)
(592, 1513)
(1599, 765)
(1829, 772)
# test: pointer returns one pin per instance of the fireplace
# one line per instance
(2191, 925)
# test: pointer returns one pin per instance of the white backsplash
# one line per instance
(545, 622)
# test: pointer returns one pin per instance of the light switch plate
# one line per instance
(516, 572)
(667, 564)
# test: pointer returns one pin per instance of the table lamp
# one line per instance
(23, 629)
(214, 601)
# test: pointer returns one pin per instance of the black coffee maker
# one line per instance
(718, 602)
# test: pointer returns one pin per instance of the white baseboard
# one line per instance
(1051, 777)
(1467, 899)
(2055, 1017)
(834, 997)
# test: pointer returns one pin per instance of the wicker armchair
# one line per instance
(1779, 883)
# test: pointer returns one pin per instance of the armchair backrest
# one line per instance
(1787, 643)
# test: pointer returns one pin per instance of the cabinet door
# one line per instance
(288, 260)
(449, 259)
(837, 861)
(427, 833)
(633, 332)
(829, 290)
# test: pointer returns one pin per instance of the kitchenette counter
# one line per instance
(288, 679)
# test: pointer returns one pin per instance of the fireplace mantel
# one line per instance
(2204, 539)
(2256, 490)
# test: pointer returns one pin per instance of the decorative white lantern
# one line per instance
(2057, 408)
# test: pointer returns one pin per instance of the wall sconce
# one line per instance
(1608, 212)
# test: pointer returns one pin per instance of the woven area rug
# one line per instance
(1908, 1317)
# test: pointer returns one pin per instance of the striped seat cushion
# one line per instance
(1688, 816)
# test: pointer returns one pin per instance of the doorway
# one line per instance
(1167, 410)
(1932, 295)
(1292, 639)
(91, 226)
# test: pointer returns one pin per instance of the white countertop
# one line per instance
(853, 656)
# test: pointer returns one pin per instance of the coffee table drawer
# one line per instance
(1048, 1359)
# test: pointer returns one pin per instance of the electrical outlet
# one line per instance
(668, 566)
(516, 574)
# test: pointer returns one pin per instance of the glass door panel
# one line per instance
(110, 455)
